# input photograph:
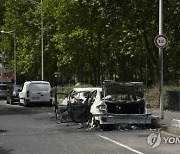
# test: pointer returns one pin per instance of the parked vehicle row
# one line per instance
(10, 93)
(115, 103)
(32, 92)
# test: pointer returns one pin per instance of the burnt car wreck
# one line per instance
(118, 103)
(75, 96)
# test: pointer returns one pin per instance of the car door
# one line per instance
(79, 109)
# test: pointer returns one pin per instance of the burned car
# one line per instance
(79, 95)
(120, 103)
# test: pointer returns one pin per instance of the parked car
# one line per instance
(4, 91)
(13, 95)
(35, 92)
(74, 96)
(121, 103)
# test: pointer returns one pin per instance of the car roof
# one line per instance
(3, 84)
(87, 89)
(36, 82)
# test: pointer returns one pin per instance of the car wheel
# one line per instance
(58, 120)
(26, 104)
(154, 124)
(50, 104)
(11, 101)
(56, 114)
(20, 103)
(106, 127)
(92, 122)
(7, 100)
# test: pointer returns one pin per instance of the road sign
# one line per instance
(161, 41)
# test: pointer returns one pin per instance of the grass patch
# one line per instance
(152, 95)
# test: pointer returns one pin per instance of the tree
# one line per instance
(92, 40)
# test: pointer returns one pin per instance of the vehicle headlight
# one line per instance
(148, 106)
(102, 108)
(148, 109)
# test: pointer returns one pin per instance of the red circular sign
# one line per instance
(161, 41)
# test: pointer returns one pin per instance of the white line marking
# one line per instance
(122, 145)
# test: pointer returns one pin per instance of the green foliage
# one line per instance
(92, 40)
(152, 95)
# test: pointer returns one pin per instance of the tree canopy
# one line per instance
(91, 40)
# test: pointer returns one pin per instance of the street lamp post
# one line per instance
(14, 36)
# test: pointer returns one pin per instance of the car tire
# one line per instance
(154, 124)
(50, 104)
(20, 104)
(11, 101)
(57, 116)
(107, 127)
(26, 104)
(7, 100)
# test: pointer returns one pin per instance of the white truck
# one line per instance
(34, 92)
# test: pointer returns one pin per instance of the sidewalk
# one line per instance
(171, 121)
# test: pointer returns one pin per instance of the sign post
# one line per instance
(161, 42)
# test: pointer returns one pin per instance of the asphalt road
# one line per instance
(33, 130)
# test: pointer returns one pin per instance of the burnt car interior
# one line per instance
(131, 107)
(79, 109)
(124, 98)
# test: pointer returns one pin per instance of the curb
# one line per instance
(174, 127)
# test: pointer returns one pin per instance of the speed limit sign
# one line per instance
(161, 41)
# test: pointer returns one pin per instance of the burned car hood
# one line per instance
(129, 88)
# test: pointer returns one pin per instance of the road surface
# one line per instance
(33, 130)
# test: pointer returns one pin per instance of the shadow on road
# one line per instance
(2, 131)
(4, 151)
(17, 110)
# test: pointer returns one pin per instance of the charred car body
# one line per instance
(120, 103)
(75, 96)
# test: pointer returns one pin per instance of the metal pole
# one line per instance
(1, 73)
(14, 58)
(1, 66)
(161, 114)
(42, 42)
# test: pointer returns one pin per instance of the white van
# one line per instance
(35, 92)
